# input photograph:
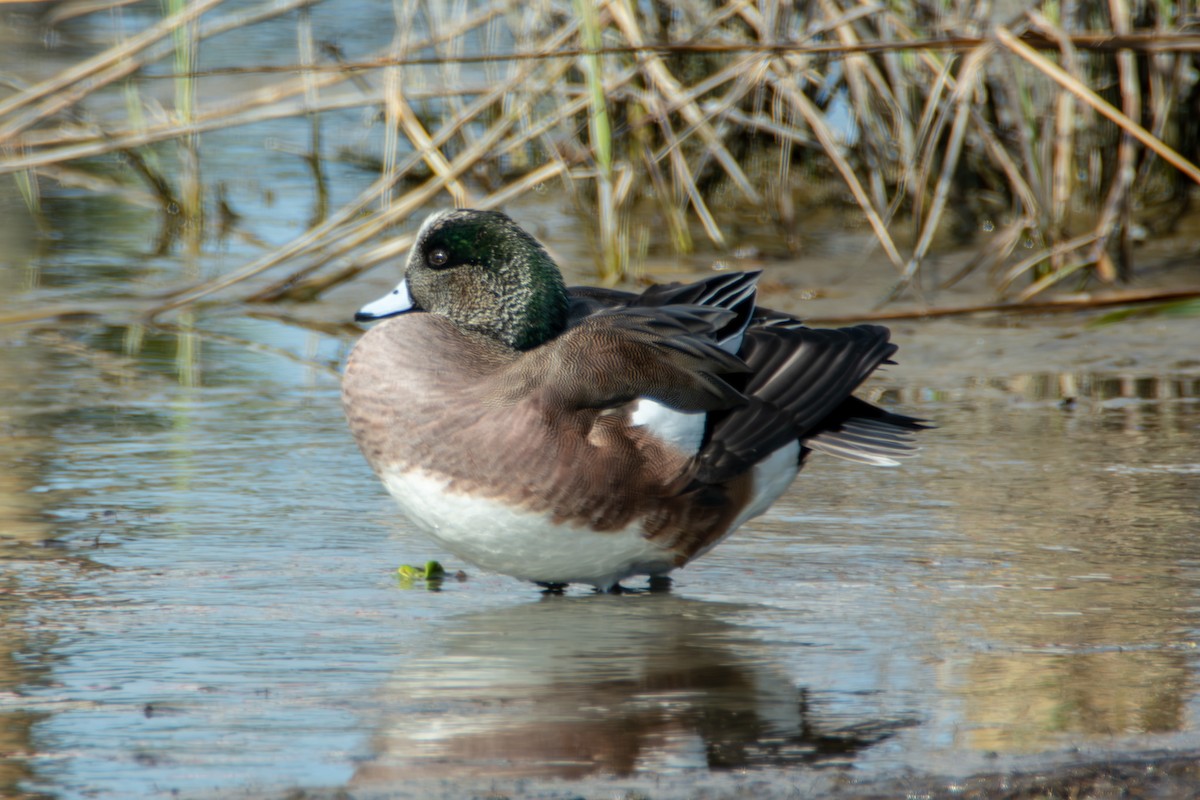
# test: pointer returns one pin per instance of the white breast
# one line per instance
(523, 544)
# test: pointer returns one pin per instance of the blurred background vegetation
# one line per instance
(1065, 130)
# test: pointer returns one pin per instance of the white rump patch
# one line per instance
(682, 430)
(772, 477)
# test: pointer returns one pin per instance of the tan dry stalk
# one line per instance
(1073, 302)
(670, 202)
(307, 50)
(1061, 174)
(661, 78)
(400, 117)
(66, 88)
(423, 143)
(1057, 251)
(682, 174)
(903, 93)
(963, 98)
(58, 13)
(740, 70)
(241, 111)
(610, 256)
(862, 75)
(929, 131)
(297, 289)
(442, 17)
(1073, 85)
(1096, 42)
(759, 122)
(358, 235)
(1002, 158)
(785, 208)
(165, 132)
(1000, 248)
(812, 115)
(1115, 217)
(1063, 269)
(1023, 129)
(101, 185)
(399, 210)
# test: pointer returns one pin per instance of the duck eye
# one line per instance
(438, 257)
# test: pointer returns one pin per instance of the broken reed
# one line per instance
(1046, 143)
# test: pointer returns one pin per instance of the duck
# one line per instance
(589, 435)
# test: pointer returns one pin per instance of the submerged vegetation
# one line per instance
(1067, 130)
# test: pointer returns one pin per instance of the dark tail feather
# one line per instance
(859, 431)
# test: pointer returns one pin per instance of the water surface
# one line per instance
(199, 593)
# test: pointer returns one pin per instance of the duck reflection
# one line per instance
(598, 685)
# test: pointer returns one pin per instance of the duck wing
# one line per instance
(731, 291)
(617, 355)
(800, 386)
(797, 384)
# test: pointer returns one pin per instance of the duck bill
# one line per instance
(397, 301)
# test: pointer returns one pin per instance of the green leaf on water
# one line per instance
(1189, 307)
(431, 572)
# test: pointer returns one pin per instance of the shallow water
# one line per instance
(197, 569)
(199, 593)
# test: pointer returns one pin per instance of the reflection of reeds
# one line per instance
(1052, 132)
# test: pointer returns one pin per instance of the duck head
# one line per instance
(485, 274)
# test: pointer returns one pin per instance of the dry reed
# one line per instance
(676, 114)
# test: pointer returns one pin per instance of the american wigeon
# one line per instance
(588, 435)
